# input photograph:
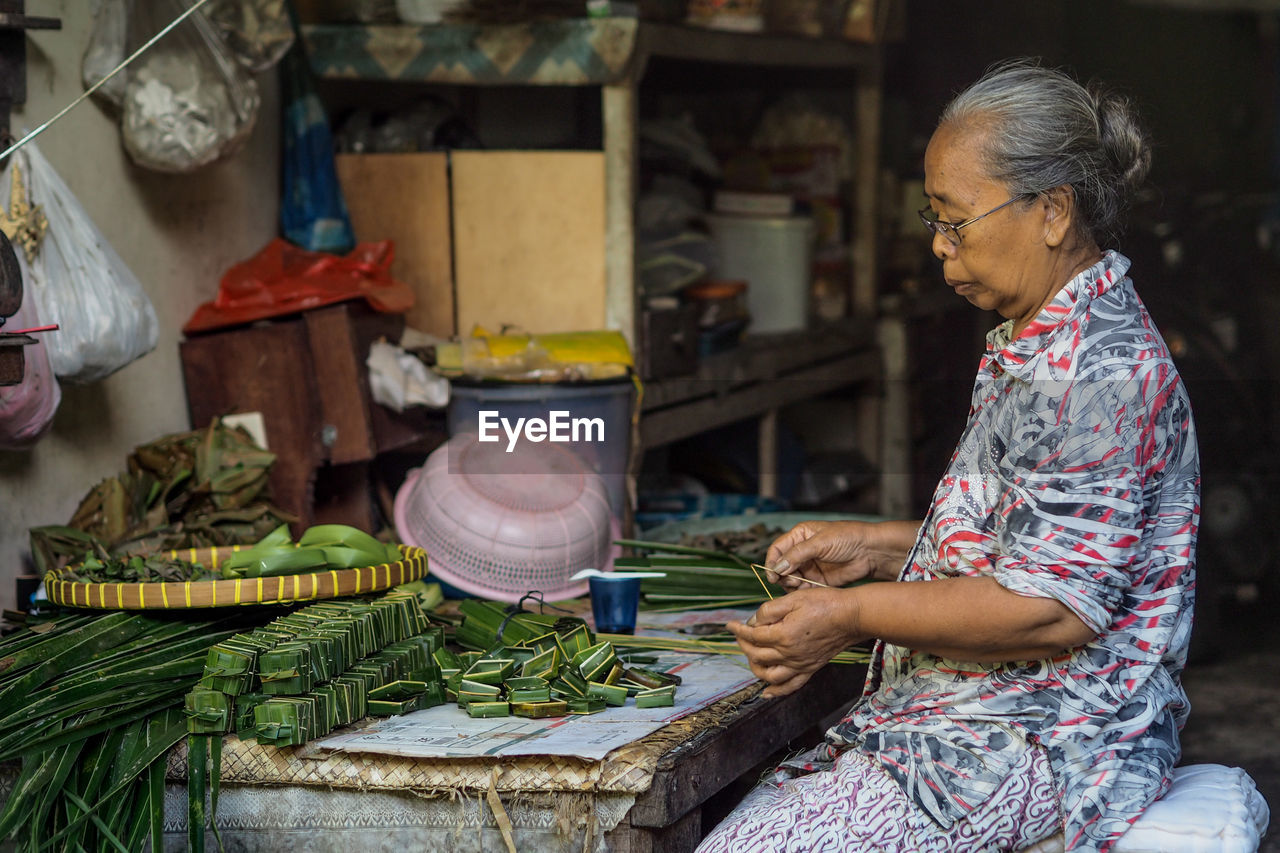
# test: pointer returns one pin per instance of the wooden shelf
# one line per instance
(764, 373)
(698, 44)
(614, 54)
(570, 52)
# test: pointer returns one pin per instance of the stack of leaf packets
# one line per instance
(536, 665)
(304, 674)
(301, 675)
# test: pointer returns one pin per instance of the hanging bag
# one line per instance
(79, 282)
(258, 32)
(188, 102)
(106, 50)
(313, 212)
(27, 409)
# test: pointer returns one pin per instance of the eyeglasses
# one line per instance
(951, 230)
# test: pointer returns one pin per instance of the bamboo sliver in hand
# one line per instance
(797, 577)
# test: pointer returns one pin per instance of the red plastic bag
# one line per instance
(27, 409)
(284, 279)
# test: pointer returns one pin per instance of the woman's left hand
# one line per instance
(790, 638)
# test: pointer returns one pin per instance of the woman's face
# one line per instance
(1005, 262)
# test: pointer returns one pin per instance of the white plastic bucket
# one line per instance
(774, 255)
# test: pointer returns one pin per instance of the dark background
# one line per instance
(1201, 238)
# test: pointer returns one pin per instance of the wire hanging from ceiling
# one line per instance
(87, 92)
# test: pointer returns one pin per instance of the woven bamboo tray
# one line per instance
(283, 589)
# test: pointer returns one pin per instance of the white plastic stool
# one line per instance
(1208, 808)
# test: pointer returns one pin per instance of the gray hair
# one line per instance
(1045, 130)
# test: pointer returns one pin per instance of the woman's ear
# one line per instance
(1060, 208)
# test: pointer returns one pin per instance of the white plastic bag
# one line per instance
(78, 281)
(106, 50)
(27, 409)
(188, 102)
(398, 379)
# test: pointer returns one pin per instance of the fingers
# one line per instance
(758, 653)
(762, 652)
(767, 665)
(771, 612)
(800, 554)
(784, 687)
(792, 582)
(781, 678)
(784, 543)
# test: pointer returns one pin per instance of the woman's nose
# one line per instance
(942, 247)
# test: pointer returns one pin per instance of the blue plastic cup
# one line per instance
(614, 602)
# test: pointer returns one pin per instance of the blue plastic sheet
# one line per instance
(313, 214)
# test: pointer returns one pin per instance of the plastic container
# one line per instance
(500, 525)
(614, 604)
(718, 301)
(594, 417)
(774, 255)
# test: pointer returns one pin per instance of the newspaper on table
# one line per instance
(446, 731)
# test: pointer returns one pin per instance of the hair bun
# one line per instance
(1123, 139)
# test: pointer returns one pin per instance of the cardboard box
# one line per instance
(405, 198)
(529, 240)
(501, 239)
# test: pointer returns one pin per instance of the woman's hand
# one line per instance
(836, 553)
(790, 638)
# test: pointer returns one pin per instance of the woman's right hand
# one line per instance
(837, 553)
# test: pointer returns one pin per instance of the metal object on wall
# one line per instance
(13, 362)
(10, 280)
(13, 54)
(13, 90)
(12, 359)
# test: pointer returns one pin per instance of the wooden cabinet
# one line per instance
(614, 55)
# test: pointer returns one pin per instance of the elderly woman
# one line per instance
(1031, 631)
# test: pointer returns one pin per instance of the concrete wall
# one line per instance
(177, 233)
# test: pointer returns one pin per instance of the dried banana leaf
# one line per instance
(187, 490)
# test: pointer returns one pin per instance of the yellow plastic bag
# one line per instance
(556, 357)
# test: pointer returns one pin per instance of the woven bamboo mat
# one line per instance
(628, 769)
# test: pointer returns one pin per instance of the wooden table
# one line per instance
(700, 780)
(673, 784)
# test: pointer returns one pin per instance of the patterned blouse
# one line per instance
(1077, 478)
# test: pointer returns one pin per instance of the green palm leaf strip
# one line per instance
(144, 744)
(197, 784)
(98, 822)
(88, 704)
(672, 548)
(155, 805)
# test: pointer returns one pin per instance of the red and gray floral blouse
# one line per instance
(1077, 478)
